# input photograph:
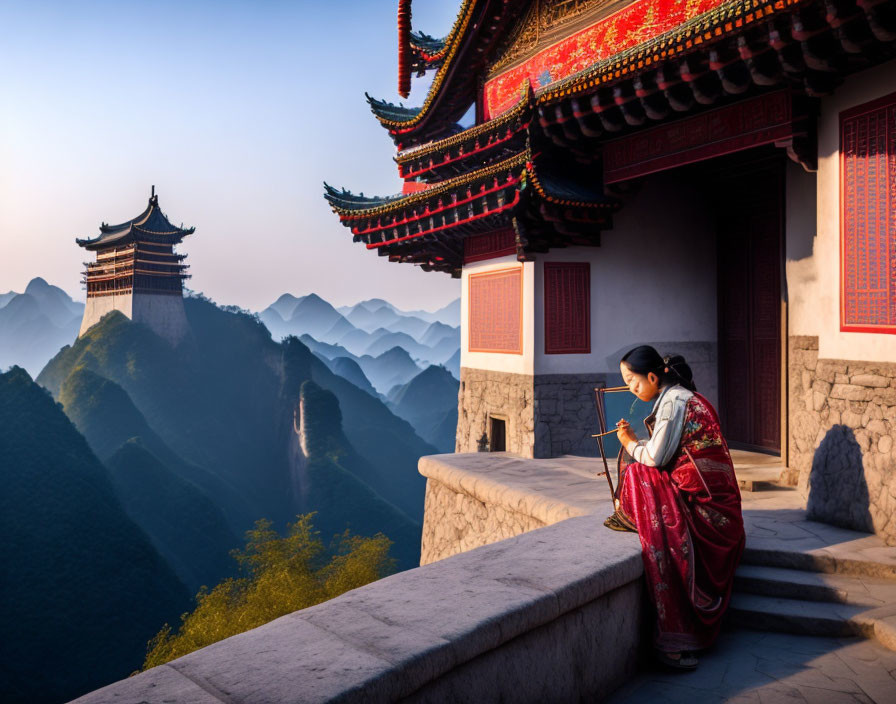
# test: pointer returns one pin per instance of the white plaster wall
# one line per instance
(801, 269)
(653, 278)
(496, 361)
(98, 306)
(164, 314)
(824, 320)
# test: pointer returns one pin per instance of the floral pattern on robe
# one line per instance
(688, 516)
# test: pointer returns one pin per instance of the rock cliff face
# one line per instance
(842, 432)
(334, 480)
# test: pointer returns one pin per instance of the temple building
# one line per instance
(138, 273)
(716, 178)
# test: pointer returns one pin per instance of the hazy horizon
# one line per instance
(403, 306)
(236, 111)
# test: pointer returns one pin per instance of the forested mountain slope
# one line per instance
(83, 589)
(225, 401)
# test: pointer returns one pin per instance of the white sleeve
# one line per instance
(666, 434)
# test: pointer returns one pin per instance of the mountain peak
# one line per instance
(374, 304)
(286, 298)
(312, 299)
(36, 283)
(396, 352)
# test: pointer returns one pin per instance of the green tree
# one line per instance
(279, 575)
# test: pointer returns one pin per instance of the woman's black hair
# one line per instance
(671, 369)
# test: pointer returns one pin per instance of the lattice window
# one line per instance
(496, 311)
(489, 245)
(868, 217)
(567, 308)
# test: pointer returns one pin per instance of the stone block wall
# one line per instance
(505, 395)
(454, 522)
(842, 432)
(565, 414)
(546, 415)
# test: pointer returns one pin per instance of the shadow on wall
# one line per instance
(838, 492)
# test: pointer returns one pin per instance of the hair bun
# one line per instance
(682, 370)
(672, 369)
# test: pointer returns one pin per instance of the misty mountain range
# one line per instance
(138, 481)
(373, 344)
(174, 453)
(35, 324)
(370, 328)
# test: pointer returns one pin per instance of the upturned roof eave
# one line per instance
(463, 32)
(131, 235)
(342, 202)
(126, 231)
(482, 128)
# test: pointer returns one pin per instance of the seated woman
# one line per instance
(679, 492)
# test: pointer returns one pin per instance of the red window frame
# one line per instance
(567, 308)
(868, 200)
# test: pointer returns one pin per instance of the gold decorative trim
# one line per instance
(720, 21)
(723, 20)
(416, 152)
(507, 164)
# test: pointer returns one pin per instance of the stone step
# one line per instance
(772, 553)
(768, 483)
(815, 618)
(814, 586)
(756, 471)
(760, 479)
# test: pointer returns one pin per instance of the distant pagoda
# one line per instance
(138, 273)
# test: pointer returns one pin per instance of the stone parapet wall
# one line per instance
(550, 615)
(481, 498)
(454, 522)
(842, 433)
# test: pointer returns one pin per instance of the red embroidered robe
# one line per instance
(688, 517)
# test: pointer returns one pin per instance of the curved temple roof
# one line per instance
(480, 25)
(636, 39)
(468, 148)
(152, 223)
(428, 226)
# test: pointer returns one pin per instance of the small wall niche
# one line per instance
(497, 434)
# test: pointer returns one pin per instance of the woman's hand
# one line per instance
(625, 434)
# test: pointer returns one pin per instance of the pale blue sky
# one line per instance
(236, 111)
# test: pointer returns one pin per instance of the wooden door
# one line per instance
(750, 225)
